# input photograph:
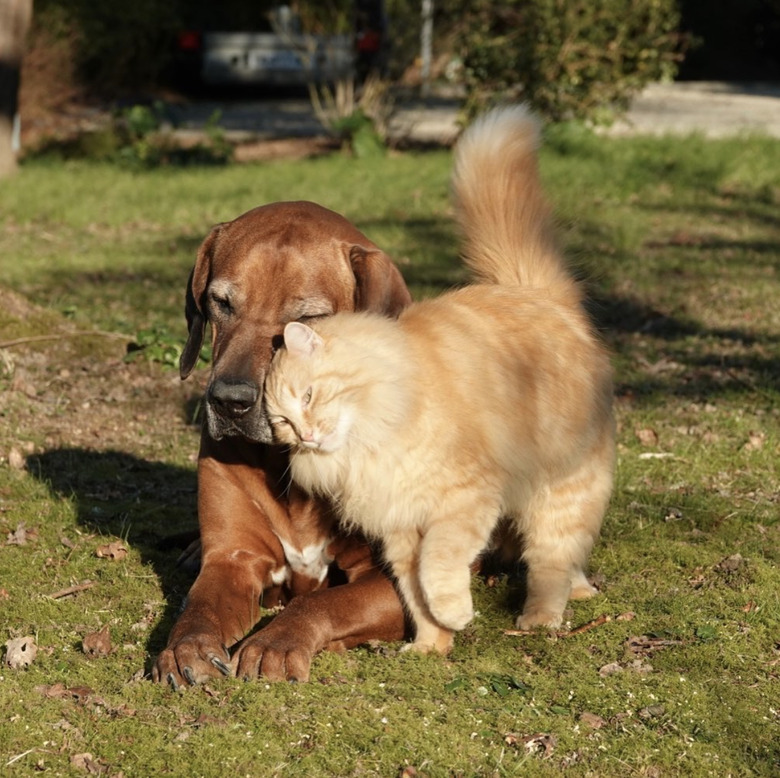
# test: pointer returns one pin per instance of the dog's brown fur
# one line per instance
(263, 541)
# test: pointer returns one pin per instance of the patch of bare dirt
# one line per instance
(16, 306)
(70, 389)
(285, 148)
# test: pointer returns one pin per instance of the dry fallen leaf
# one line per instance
(16, 459)
(20, 652)
(97, 644)
(115, 550)
(647, 437)
(640, 666)
(610, 669)
(146, 621)
(731, 564)
(651, 712)
(755, 441)
(592, 720)
(81, 694)
(88, 763)
(541, 744)
(21, 536)
(55, 691)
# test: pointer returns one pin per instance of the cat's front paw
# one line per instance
(441, 644)
(451, 611)
(539, 617)
(430, 637)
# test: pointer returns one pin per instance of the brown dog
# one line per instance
(263, 541)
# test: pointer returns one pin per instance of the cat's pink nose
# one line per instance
(308, 440)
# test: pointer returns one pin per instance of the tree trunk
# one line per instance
(15, 17)
(426, 46)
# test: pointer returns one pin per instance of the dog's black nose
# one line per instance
(233, 398)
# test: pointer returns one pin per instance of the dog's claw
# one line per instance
(220, 665)
(172, 682)
(189, 675)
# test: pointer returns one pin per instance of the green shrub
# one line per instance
(580, 59)
(139, 137)
(118, 46)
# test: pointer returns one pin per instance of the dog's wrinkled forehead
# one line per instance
(308, 308)
(294, 307)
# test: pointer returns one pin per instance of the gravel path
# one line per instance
(715, 109)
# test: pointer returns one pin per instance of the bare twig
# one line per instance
(748, 384)
(20, 756)
(597, 622)
(72, 590)
(62, 336)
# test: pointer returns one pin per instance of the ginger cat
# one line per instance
(490, 401)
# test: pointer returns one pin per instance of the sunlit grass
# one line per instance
(679, 240)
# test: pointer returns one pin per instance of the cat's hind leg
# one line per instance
(401, 551)
(559, 528)
(581, 588)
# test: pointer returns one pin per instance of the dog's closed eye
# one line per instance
(220, 305)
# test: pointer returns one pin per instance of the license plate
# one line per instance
(278, 60)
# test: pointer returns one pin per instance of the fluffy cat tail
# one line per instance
(506, 222)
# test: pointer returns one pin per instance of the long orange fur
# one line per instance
(493, 401)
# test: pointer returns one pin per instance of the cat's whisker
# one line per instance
(287, 470)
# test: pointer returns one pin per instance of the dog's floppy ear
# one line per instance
(194, 305)
(379, 285)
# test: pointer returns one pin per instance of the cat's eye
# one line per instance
(306, 398)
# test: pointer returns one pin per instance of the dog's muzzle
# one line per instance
(234, 407)
(233, 399)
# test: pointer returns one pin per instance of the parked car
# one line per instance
(276, 53)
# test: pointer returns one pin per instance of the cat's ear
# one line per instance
(300, 339)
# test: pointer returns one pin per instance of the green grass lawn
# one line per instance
(677, 669)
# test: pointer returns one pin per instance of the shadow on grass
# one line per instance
(755, 208)
(146, 503)
(712, 361)
(112, 297)
(432, 243)
(706, 362)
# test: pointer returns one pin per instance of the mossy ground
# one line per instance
(680, 242)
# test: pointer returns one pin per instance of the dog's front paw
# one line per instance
(191, 660)
(261, 656)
